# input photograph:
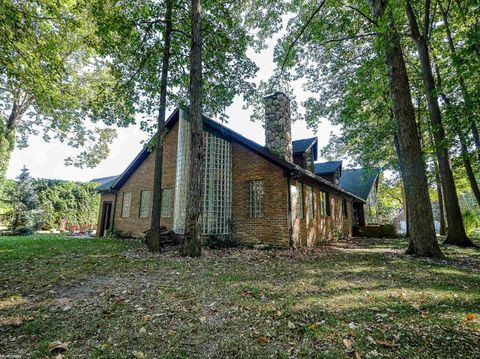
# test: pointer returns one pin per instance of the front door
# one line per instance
(106, 218)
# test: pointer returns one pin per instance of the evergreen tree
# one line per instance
(26, 205)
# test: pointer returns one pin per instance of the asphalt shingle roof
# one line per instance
(105, 183)
(103, 180)
(325, 168)
(300, 146)
(359, 181)
(212, 125)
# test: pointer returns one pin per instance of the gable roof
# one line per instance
(233, 136)
(103, 180)
(303, 145)
(359, 181)
(325, 168)
(105, 183)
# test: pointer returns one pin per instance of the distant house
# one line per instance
(255, 193)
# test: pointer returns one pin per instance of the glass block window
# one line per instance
(144, 199)
(256, 198)
(324, 204)
(309, 195)
(167, 198)
(344, 207)
(217, 192)
(126, 204)
(182, 173)
(299, 200)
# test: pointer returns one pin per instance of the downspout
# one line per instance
(290, 217)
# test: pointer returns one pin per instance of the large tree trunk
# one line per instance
(7, 135)
(423, 241)
(153, 239)
(456, 230)
(461, 80)
(462, 139)
(7, 143)
(192, 244)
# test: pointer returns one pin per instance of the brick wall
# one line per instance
(246, 166)
(142, 180)
(321, 229)
(273, 228)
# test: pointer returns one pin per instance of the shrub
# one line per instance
(220, 241)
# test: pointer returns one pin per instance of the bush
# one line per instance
(23, 231)
(377, 231)
(218, 241)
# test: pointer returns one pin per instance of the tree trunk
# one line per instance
(7, 143)
(423, 240)
(192, 244)
(462, 139)
(456, 230)
(153, 238)
(438, 185)
(465, 94)
(7, 135)
(404, 197)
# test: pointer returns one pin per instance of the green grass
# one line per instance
(109, 298)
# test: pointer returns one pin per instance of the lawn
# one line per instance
(358, 299)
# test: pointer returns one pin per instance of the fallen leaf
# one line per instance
(470, 317)
(386, 343)
(138, 355)
(358, 355)
(57, 347)
(348, 343)
(262, 340)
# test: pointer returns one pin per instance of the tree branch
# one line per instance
(426, 21)
(297, 37)
(369, 19)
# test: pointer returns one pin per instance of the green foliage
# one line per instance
(68, 205)
(26, 206)
(52, 82)
(49, 204)
(390, 199)
(471, 220)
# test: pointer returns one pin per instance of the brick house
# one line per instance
(255, 193)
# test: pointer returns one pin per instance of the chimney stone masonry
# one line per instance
(278, 125)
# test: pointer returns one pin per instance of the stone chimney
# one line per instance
(278, 125)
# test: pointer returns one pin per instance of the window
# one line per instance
(299, 200)
(217, 185)
(324, 204)
(167, 195)
(344, 207)
(127, 203)
(144, 198)
(256, 192)
(309, 192)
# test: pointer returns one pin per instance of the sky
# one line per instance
(46, 160)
